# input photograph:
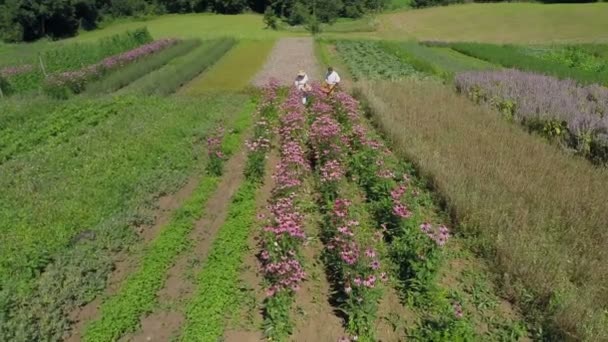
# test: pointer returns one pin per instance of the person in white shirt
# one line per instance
(301, 83)
(332, 79)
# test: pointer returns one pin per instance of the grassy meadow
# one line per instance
(500, 23)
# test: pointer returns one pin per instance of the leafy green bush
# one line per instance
(270, 19)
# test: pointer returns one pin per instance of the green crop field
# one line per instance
(162, 178)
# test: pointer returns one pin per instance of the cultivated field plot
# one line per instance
(167, 183)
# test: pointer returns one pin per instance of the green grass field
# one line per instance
(500, 22)
(202, 26)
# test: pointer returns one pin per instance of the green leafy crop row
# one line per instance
(121, 313)
(368, 60)
(217, 292)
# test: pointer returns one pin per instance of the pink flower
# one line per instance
(401, 211)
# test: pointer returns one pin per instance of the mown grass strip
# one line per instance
(235, 70)
(121, 313)
(122, 77)
(181, 70)
(217, 283)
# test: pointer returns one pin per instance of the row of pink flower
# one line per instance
(283, 230)
(347, 108)
(15, 70)
(110, 63)
(357, 262)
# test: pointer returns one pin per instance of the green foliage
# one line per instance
(121, 312)
(278, 324)
(92, 176)
(217, 285)
(125, 76)
(572, 56)
(179, 71)
(313, 25)
(440, 61)
(270, 19)
(511, 56)
(368, 60)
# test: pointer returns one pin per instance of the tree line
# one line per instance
(29, 20)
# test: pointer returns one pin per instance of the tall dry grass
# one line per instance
(540, 215)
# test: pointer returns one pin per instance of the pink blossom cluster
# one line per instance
(286, 274)
(332, 171)
(77, 78)
(361, 266)
(270, 91)
(214, 144)
(15, 70)
(440, 235)
(283, 232)
(258, 144)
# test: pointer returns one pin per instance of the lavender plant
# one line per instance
(563, 110)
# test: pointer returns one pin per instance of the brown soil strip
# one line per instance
(165, 321)
(317, 320)
(250, 317)
(288, 56)
(124, 265)
(393, 317)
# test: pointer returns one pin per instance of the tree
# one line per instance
(270, 19)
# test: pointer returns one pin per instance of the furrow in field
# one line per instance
(168, 316)
(121, 313)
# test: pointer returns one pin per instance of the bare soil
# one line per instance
(124, 265)
(251, 316)
(317, 319)
(165, 321)
(288, 56)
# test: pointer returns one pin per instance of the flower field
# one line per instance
(575, 115)
(160, 187)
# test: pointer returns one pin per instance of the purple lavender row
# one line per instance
(15, 70)
(110, 63)
(584, 109)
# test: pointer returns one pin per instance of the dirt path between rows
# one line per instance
(162, 324)
(288, 56)
(124, 265)
(251, 316)
(317, 319)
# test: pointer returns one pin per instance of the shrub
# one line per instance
(270, 19)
